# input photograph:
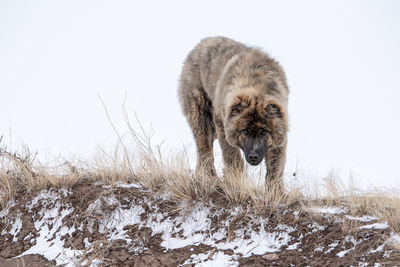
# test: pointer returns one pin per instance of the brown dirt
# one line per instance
(315, 246)
(27, 260)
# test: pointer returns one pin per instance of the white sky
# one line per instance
(342, 60)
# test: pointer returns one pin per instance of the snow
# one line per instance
(86, 242)
(293, 246)
(118, 220)
(378, 249)
(354, 241)
(50, 229)
(258, 244)
(44, 196)
(319, 249)
(192, 225)
(394, 238)
(211, 259)
(332, 246)
(114, 223)
(327, 210)
(316, 227)
(4, 212)
(364, 218)
(285, 227)
(185, 229)
(383, 225)
(16, 226)
(126, 185)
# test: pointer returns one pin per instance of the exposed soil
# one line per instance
(126, 225)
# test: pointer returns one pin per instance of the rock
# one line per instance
(271, 257)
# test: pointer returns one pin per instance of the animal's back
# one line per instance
(206, 61)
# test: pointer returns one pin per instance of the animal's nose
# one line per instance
(253, 157)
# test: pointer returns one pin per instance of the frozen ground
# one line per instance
(97, 225)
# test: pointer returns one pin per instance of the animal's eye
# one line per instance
(245, 132)
(263, 133)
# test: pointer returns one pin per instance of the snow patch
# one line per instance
(378, 249)
(350, 239)
(46, 197)
(113, 223)
(316, 227)
(51, 230)
(16, 226)
(293, 246)
(394, 239)
(119, 219)
(383, 225)
(319, 249)
(211, 259)
(332, 246)
(327, 210)
(126, 185)
(189, 226)
(285, 227)
(187, 229)
(364, 218)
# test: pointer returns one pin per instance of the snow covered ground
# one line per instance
(215, 235)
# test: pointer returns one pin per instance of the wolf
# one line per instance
(238, 95)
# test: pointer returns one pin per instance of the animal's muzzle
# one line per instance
(253, 158)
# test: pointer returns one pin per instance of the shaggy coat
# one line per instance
(238, 95)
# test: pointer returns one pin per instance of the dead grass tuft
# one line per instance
(21, 171)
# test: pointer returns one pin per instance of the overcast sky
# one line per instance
(342, 61)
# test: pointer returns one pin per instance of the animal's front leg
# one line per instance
(205, 161)
(275, 161)
(233, 162)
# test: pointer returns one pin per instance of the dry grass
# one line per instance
(21, 171)
(149, 166)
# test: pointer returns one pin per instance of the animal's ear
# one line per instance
(238, 108)
(273, 110)
(240, 104)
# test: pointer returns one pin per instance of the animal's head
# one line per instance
(255, 123)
